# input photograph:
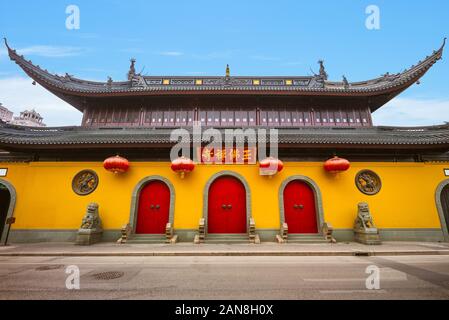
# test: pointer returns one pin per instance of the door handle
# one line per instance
(223, 206)
(152, 206)
(229, 206)
(157, 207)
(301, 206)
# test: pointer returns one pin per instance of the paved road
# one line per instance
(402, 277)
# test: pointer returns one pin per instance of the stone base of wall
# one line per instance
(187, 235)
(426, 235)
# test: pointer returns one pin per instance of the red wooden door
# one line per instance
(299, 208)
(227, 206)
(154, 207)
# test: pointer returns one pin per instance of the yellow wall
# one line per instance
(45, 199)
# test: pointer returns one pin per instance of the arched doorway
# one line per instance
(7, 204)
(227, 204)
(300, 205)
(152, 206)
(442, 200)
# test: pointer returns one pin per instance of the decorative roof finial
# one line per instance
(228, 73)
(132, 69)
(345, 82)
(323, 73)
(6, 43)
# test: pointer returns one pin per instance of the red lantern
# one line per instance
(116, 164)
(336, 165)
(270, 166)
(182, 165)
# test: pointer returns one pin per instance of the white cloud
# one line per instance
(171, 53)
(47, 51)
(412, 112)
(264, 58)
(216, 55)
(18, 94)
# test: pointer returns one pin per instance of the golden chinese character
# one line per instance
(206, 156)
(247, 154)
(234, 154)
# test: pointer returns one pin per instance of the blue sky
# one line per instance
(201, 37)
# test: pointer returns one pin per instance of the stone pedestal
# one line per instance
(369, 236)
(87, 237)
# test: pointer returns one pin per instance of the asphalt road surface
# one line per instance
(400, 277)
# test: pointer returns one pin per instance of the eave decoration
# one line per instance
(336, 165)
(182, 165)
(270, 166)
(116, 164)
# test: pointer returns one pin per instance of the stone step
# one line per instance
(227, 235)
(147, 238)
(226, 241)
(306, 238)
(227, 238)
(148, 235)
(146, 241)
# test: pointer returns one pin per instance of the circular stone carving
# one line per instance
(368, 182)
(85, 182)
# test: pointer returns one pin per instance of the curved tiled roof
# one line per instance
(388, 137)
(154, 85)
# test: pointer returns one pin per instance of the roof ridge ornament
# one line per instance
(132, 69)
(228, 72)
(442, 47)
(345, 82)
(323, 73)
(6, 43)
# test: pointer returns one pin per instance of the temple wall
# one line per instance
(45, 201)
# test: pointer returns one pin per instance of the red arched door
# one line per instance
(299, 208)
(154, 208)
(226, 206)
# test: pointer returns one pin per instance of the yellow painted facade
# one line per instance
(45, 199)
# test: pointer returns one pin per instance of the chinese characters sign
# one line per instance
(227, 155)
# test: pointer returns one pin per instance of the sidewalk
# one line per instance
(189, 249)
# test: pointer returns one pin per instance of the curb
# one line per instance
(227, 253)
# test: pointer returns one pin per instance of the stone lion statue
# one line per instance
(364, 219)
(91, 220)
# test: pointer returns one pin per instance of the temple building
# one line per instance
(29, 118)
(5, 113)
(330, 161)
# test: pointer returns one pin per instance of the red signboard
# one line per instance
(227, 155)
